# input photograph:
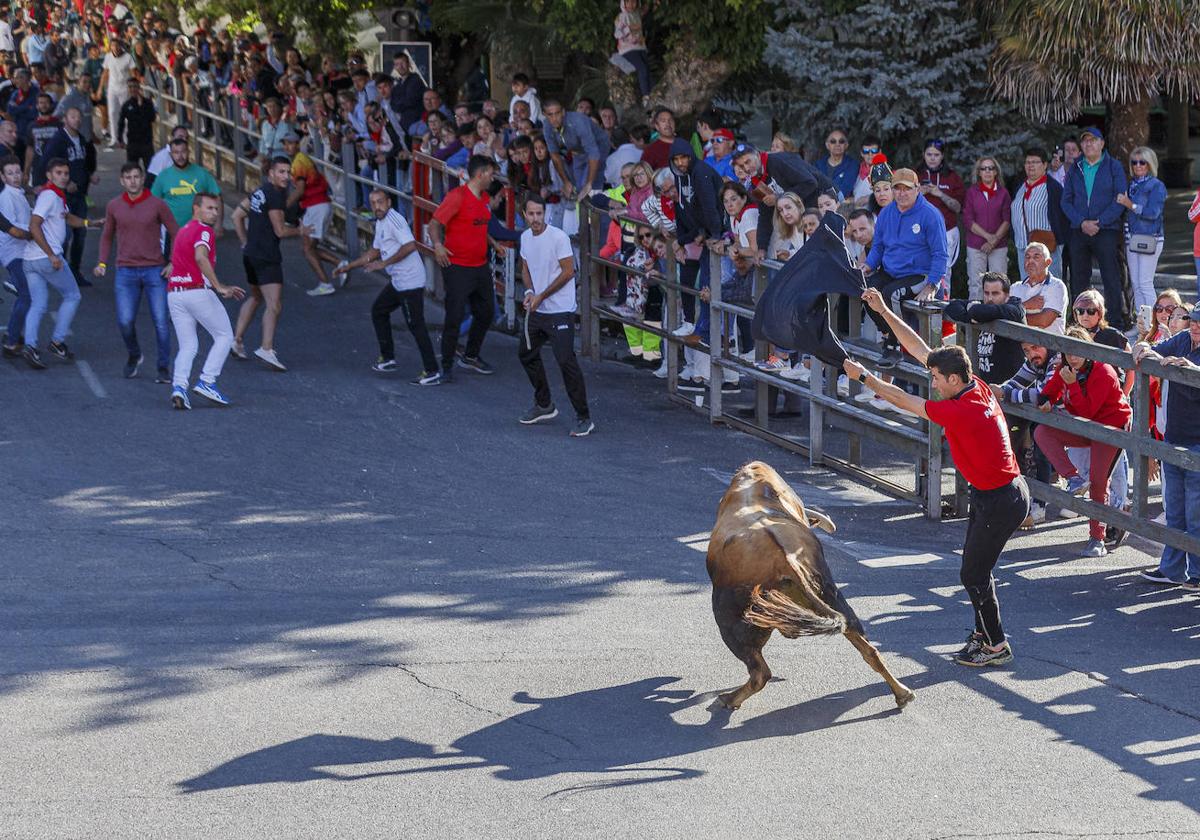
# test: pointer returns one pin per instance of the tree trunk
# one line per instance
(690, 81)
(1129, 127)
(506, 58)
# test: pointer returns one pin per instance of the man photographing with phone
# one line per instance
(979, 444)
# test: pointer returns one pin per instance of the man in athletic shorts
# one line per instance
(311, 191)
(192, 289)
(978, 436)
(258, 221)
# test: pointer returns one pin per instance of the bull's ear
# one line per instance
(819, 520)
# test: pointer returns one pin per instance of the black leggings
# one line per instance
(887, 284)
(466, 285)
(412, 303)
(995, 515)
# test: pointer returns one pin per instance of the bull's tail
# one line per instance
(772, 610)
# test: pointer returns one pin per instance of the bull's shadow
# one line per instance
(606, 730)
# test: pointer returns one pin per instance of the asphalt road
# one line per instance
(348, 606)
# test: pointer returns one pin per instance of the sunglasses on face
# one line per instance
(838, 141)
(870, 150)
(1086, 310)
(1139, 163)
(987, 167)
(1170, 307)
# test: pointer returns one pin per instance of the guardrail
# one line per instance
(920, 440)
(222, 150)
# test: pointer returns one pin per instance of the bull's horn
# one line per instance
(820, 520)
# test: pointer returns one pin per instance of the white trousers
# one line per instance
(116, 99)
(979, 263)
(189, 308)
(1141, 275)
(952, 240)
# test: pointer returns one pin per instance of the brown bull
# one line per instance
(768, 573)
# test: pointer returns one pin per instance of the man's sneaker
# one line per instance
(33, 357)
(269, 358)
(447, 376)
(890, 358)
(799, 373)
(583, 428)
(476, 364)
(1077, 485)
(179, 399)
(974, 642)
(1037, 512)
(843, 386)
(12, 351)
(1155, 576)
(238, 351)
(163, 377)
(133, 364)
(880, 404)
(383, 365)
(696, 386)
(321, 289)
(428, 378)
(1113, 536)
(683, 330)
(660, 372)
(1064, 513)
(1094, 548)
(60, 349)
(8, 284)
(538, 414)
(731, 387)
(772, 364)
(344, 277)
(208, 390)
(864, 396)
(1192, 584)
(981, 657)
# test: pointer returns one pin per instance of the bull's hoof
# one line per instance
(729, 701)
(904, 698)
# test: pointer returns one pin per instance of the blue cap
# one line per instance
(1092, 130)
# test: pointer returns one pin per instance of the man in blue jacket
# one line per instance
(837, 166)
(908, 253)
(1090, 204)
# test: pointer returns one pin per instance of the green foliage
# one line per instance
(327, 23)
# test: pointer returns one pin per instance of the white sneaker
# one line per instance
(1037, 513)
(689, 373)
(880, 404)
(268, 357)
(685, 329)
(799, 373)
(321, 289)
(661, 371)
(843, 386)
(864, 396)
(343, 278)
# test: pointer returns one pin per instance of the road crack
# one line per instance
(1097, 677)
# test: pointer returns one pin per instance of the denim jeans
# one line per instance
(20, 308)
(131, 282)
(40, 277)
(1181, 501)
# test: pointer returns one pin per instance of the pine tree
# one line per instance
(906, 70)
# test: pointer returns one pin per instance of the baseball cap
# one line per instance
(1092, 130)
(290, 137)
(724, 134)
(904, 176)
(1196, 312)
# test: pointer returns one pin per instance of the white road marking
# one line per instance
(93, 381)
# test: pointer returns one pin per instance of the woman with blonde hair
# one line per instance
(1143, 203)
(985, 216)
(787, 235)
(781, 142)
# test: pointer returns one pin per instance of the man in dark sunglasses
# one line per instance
(837, 165)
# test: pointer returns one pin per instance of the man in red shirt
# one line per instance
(311, 191)
(977, 432)
(459, 232)
(658, 153)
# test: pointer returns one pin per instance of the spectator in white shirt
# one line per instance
(1043, 295)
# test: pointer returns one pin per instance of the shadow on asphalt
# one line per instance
(608, 730)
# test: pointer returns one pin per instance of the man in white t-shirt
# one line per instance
(395, 251)
(44, 265)
(548, 272)
(1043, 295)
(118, 68)
(162, 158)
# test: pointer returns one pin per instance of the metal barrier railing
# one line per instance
(921, 440)
(430, 179)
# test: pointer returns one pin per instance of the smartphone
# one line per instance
(1145, 317)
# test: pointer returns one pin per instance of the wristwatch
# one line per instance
(862, 377)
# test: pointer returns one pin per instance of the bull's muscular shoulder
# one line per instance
(764, 549)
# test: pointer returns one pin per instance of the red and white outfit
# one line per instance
(192, 302)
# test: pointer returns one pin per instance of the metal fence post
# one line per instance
(1141, 422)
(672, 302)
(239, 141)
(588, 322)
(762, 391)
(716, 374)
(348, 195)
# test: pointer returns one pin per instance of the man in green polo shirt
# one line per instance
(181, 182)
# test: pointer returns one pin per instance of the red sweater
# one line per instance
(139, 221)
(1099, 398)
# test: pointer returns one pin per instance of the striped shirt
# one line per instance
(1027, 382)
(1032, 213)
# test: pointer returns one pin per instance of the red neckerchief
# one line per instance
(989, 192)
(1029, 188)
(742, 212)
(762, 175)
(142, 196)
(62, 195)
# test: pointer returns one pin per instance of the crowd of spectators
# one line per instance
(1069, 210)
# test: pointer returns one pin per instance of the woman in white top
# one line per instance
(787, 235)
(742, 217)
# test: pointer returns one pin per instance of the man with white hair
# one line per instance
(1043, 295)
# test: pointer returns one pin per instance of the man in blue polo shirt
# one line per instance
(908, 253)
(572, 136)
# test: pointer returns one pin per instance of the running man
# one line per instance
(14, 233)
(182, 181)
(311, 191)
(395, 251)
(258, 221)
(192, 290)
(44, 266)
(135, 217)
(548, 271)
(979, 444)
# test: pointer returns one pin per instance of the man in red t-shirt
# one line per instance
(311, 191)
(459, 232)
(977, 432)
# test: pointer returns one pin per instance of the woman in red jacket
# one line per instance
(1090, 390)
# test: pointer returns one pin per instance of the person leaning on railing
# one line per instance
(1181, 486)
(1024, 388)
(1090, 390)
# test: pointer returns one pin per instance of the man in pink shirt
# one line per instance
(136, 216)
